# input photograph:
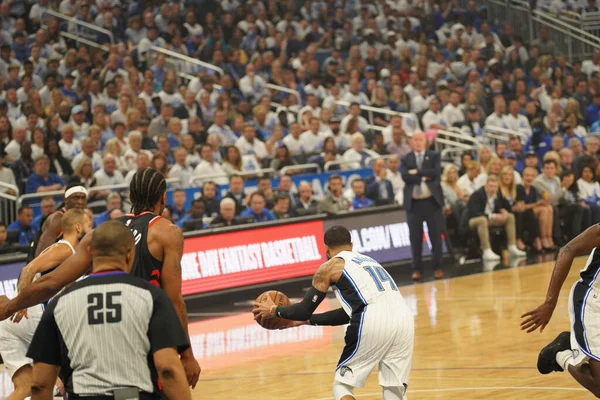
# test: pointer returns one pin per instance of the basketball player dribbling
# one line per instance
(158, 252)
(381, 329)
(578, 351)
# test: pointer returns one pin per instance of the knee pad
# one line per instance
(394, 393)
(340, 390)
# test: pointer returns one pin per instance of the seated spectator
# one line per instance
(58, 164)
(312, 139)
(281, 208)
(6, 247)
(334, 202)
(265, 187)
(516, 121)
(360, 200)
(227, 216)
(398, 144)
(533, 214)
(486, 207)
(566, 159)
(42, 180)
(88, 151)
(283, 159)
(158, 125)
(237, 194)
(109, 175)
(378, 146)
(222, 130)
(13, 148)
(178, 210)
(589, 192)
(358, 154)
(249, 144)
(257, 209)
(174, 136)
(516, 147)
(468, 182)
(160, 163)
(497, 118)
(532, 161)
(465, 159)
(550, 186)
(47, 207)
(293, 140)
(500, 148)
(433, 117)
(113, 147)
(193, 157)
(142, 161)
(378, 188)
(209, 194)
(164, 148)
(181, 169)
(113, 202)
(134, 150)
(234, 162)
(23, 167)
(567, 180)
(306, 204)
(354, 112)
(209, 168)
(194, 220)
(569, 133)
(484, 156)
(6, 175)
(508, 186)
(494, 168)
(454, 199)
(285, 186)
(395, 177)
(23, 225)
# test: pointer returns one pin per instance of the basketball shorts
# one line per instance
(15, 339)
(381, 336)
(584, 314)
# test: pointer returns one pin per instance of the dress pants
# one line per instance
(429, 211)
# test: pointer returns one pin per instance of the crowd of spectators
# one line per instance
(74, 113)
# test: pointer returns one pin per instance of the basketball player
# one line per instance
(159, 248)
(579, 351)
(15, 336)
(75, 197)
(381, 330)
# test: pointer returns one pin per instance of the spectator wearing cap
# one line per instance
(433, 118)
(42, 180)
(23, 225)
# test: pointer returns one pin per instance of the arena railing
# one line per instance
(285, 90)
(297, 167)
(188, 59)
(8, 204)
(81, 23)
(378, 110)
(263, 171)
(495, 134)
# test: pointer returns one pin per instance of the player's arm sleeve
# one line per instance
(165, 329)
(332, 318)
(303, 310)
(46, 343)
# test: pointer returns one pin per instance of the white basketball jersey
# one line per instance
(363, 282)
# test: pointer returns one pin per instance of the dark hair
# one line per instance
(23, 208)
(333, 177)
(112, 239)
(282, 196)
(264, 178)
(337, 236)
(253, 195)
(573, 188)
(358, 180)
(199, 200)
(146, 189)
(549, 161)
(235, 176)
(591, 170)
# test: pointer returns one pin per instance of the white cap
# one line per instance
(384, 73)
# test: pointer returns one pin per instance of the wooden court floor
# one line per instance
(468, 346)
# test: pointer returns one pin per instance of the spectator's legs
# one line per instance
(481, 225)
(545, 217)
(509, 228)
(579, 217)
(435, 225)
(415, 226)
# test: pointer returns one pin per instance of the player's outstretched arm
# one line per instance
(45, 261)
(172, 239)
(583, 243)
(327, 274)
(50, 284)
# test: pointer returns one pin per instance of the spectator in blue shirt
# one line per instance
(257, 209)
(196, 214)
(378, 187)
(47, 207)
(570, 134)
(178, 211)
(67, 88)
(360, 199)
(42, 180)
(113, 202)
(592, 113)
(23, 225)
(20, 47)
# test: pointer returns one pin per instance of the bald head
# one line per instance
(418, 141)
(113, 246)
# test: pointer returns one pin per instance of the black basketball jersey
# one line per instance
(145, 265)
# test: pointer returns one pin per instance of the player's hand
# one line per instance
(537, 318)
(192, 369)
(263, 309)
(18, 316)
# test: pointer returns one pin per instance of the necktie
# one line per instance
(418, 191)
(419, 160)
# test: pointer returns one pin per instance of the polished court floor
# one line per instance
(468, 346)
(468, 343)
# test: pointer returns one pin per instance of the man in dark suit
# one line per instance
(236, 192)
(378, 188)
(189, 107)
(487, 207)
(423, 201)
(306, 203)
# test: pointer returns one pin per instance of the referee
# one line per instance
(112, 334)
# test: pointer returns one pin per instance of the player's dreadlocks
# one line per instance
(146, 188)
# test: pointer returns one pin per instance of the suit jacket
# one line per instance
(373, 193)
(182, 113)
(239, 207)
(430, 168)
(478, 202)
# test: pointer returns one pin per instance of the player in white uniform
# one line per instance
(578, 351)
(16, 333)
(381, 326)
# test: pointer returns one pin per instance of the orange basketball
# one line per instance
(279, 299)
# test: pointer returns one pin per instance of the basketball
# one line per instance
(279, 299)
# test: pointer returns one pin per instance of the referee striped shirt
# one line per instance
(102, 332)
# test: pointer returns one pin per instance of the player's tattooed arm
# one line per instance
(50, 259)
(583, 243)
(327, 274)
(50, 230)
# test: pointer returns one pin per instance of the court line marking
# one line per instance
(472, 388)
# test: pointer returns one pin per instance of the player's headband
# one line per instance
(75, 190)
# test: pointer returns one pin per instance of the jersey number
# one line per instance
(102, 307)
(380, 275)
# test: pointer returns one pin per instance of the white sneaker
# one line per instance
(514, 251)
(489, 255)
